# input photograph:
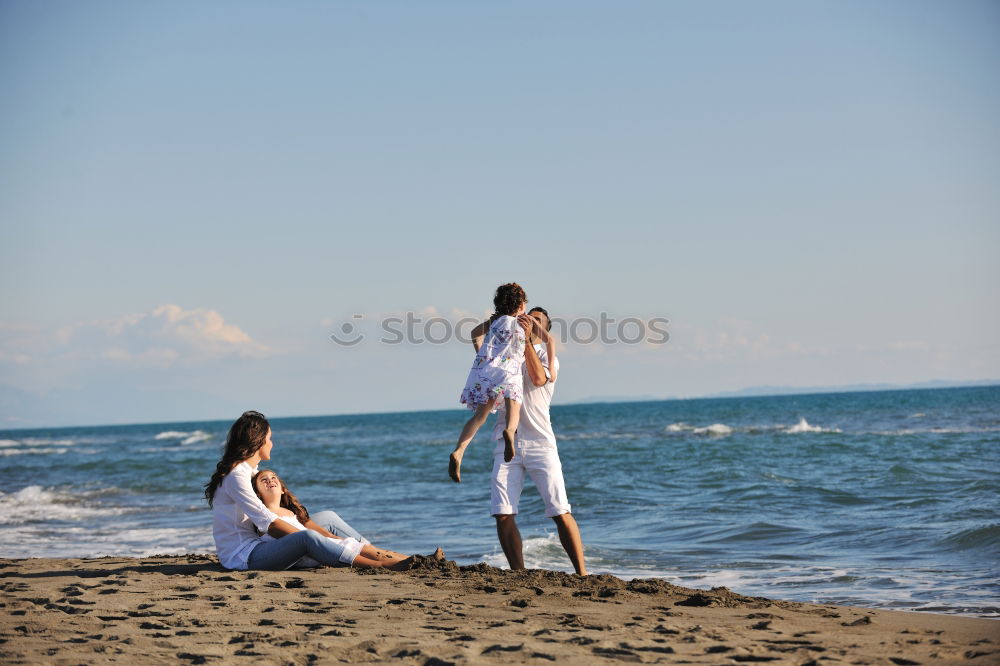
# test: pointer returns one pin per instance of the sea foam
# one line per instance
(185, 437)
(36, 504)
(32, 450)
(803, 426)
(714, 430)
(722, 430)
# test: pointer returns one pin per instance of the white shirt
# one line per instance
(236, 509)
(534, 426)
(291, 520)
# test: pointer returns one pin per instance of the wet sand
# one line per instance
(190, 610)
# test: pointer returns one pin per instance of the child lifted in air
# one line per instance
(497, 371)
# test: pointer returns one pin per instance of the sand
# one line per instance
(190, 610)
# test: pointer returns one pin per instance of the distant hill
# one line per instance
(848, 388)
(755, 391)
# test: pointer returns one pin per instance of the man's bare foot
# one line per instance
(455, 467)
(508, 446)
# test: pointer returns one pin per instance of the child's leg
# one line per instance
(510, 429)
(381, 554)
(364, 562)
(386, 556)
(469, 431)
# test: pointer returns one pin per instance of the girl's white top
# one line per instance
(236, 511)
(496, 372)
(291, 520)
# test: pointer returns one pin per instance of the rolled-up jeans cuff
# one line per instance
(352, 548)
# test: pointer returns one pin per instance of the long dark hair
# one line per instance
(247, 434)
(288, 500)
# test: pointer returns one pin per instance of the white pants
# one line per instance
(542, 464)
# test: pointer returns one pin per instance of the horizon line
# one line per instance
(725, 395)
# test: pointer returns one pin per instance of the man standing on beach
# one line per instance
(535, 455)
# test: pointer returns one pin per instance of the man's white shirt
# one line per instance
(535, 426)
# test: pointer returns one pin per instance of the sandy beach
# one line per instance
(189, 610)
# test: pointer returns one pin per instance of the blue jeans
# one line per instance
(282, 553)
(334, 524)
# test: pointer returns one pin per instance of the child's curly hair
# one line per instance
(509, 298)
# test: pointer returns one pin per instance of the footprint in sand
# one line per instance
(502, 648)
(790, 645)
(407, 652)
(616, 653)
(753, 657)
(858, 622)
(661, 649)
(153, 626)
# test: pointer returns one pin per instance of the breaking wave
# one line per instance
(184, 437)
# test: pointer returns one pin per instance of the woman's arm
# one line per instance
(310, 524)
(237, 485)
(280, 528)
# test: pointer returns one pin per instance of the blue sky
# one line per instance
(193, 196)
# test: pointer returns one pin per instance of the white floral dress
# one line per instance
(496, 372)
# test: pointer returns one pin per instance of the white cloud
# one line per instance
(166, 334)
(205, 330)
(19, 359)
(154, 357)
(155, 339)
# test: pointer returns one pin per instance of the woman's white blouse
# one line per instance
(236, 510)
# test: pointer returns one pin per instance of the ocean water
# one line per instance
(886, 499)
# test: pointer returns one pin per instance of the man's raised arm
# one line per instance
(536, 371)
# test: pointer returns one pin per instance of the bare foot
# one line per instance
(402, 565)
(508, 446)
(438, 554)
(455, 467)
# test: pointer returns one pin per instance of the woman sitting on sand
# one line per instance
(238, 514)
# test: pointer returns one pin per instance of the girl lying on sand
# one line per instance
(239, 517)
(275, 495)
